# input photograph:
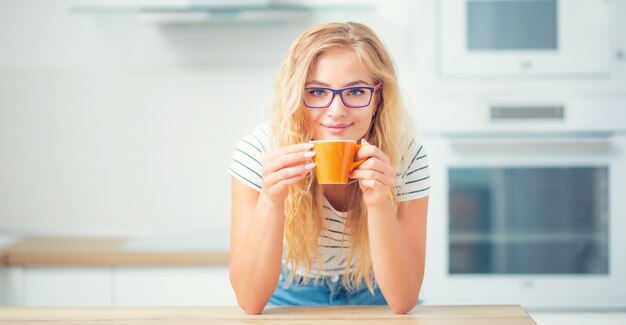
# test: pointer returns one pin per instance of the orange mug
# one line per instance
(334, 160)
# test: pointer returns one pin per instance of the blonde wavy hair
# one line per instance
(391, 131)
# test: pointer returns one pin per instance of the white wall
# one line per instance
(110, 126)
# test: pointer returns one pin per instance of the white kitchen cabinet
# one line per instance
(12, 286)
(116, 286)
(3, 286)
(60, 286)
(173, 286)
(3, 279)
(75, 271)
(10, 277)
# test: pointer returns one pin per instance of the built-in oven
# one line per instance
(528, 206)
(524, 38)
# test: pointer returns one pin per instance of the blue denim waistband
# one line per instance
(314, 280)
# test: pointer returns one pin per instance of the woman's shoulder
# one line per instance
(247, 162)
(414, 149)
(256, 141)
(413, 176)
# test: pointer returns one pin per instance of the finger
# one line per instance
(292, 148)
(366, 174)
(284, 174)
(375, 164)
(366, 184)
(282, 186)
(287, 182)
(373, 175)
(287, 173)
(368, 150)
(288, 160)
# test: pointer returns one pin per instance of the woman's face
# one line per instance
(340, 68)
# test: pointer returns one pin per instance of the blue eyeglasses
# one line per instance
(352, 97)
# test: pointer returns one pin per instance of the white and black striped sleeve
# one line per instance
(413, 182)
(247, 163)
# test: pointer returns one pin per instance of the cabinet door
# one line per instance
(173, 286)
(53, 286)
(11, 286)
(4, 279)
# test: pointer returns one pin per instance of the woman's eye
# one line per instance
(317, 92)
(356, 91)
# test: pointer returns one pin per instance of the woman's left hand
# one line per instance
(376, 175)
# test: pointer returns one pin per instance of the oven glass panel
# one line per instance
(511, 25)
(528, 220)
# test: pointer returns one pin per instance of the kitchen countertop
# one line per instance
(483, 314)
(6, 240)
(90, 251)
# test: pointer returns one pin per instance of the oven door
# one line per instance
(532, 220)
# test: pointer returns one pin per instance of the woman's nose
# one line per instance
(336, 108)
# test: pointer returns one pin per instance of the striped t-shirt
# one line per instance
(334, 242)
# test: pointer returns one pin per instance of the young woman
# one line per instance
(295, 242)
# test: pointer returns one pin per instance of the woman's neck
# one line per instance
(336, 195)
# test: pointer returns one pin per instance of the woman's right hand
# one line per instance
(284, 167)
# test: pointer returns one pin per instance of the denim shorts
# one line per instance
(327, 290)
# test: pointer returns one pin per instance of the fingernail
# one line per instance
(308, 145)
(309, 166)
(309, 154)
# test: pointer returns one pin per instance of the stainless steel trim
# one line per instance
(527, 113)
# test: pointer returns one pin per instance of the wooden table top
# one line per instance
(423, 315)
(91, 251)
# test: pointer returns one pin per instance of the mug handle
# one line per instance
(357, 163)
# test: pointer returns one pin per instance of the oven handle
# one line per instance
(582, 141)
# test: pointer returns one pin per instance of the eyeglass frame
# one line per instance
(335, 92)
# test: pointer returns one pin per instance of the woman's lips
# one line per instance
(336, 128)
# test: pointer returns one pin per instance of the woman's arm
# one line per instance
(397, 236)
(398, 245)
(257, 227)
(256, 247)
